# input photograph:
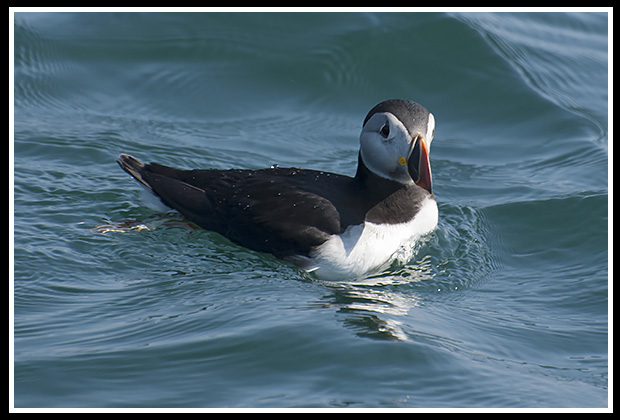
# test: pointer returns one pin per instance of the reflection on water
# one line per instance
(374, 306)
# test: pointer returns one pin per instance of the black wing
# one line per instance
(265, 210)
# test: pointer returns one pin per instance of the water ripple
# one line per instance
(554, 58)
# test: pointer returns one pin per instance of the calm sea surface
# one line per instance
(117, 304)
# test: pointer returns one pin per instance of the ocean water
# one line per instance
(119, 304)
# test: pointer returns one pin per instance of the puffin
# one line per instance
(335, 226)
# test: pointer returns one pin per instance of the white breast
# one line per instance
(369, 247)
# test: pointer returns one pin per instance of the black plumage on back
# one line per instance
(284, 211)
(263, 210)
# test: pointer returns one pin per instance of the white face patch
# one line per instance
(386, 156)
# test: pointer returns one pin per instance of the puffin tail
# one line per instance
(171, 186)
(133, 167)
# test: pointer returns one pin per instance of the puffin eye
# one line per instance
(385, 130)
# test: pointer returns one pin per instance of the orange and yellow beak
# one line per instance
(419, 165)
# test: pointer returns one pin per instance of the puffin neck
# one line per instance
(373, 183)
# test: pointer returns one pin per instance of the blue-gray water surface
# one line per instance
(120, 304)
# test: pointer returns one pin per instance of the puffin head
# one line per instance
(395, 142)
